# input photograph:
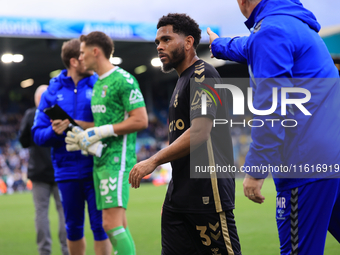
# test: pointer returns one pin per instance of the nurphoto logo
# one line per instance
(239, 99)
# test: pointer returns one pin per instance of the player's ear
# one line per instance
(73, 62)
(95, 51)
(244, 2)
(189, 42)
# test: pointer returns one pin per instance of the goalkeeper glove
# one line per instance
(72, 144)
(92, 135)
(71, 141)
(96, 149)
(71, 138)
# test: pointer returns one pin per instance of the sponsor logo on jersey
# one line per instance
(280, 208)
(198, 96)
(176, 125)
(135, 96)
(205, 97)
(60, 97)
(89, 93)
(104, 91)
(196, 102)
(98, 108)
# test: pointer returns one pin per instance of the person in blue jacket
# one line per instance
(285, 52)
(72, 91)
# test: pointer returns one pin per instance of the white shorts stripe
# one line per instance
(122, 169)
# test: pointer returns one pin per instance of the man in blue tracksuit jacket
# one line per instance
(284, 50)
(72, 91)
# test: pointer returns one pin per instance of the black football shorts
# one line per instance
(198, 234)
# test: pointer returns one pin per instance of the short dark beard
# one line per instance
(86, 73)
(177, 57)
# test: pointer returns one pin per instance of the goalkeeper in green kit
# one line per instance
(119, 112)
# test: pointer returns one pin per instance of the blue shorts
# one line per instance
(304, 214)
(73, 194)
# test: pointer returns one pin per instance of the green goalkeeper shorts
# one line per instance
(112, 188)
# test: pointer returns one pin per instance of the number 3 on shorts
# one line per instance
(207, 240)
(104, 189)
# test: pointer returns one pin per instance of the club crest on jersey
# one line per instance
(205, 200)
(104, 91)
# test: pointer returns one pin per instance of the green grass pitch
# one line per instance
(256, 223)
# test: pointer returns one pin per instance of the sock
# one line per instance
(120, 241)
(127, 230)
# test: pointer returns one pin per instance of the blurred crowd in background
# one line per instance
(14, 159)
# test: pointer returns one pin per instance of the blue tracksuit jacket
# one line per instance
(76, 101)
(284, 43)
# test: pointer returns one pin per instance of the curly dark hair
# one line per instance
(182, 24)
(99, 39)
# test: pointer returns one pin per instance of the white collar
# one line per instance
(108, 73)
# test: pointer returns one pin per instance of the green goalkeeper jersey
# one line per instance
(114, 95)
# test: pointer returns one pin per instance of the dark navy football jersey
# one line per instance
(192, 189)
